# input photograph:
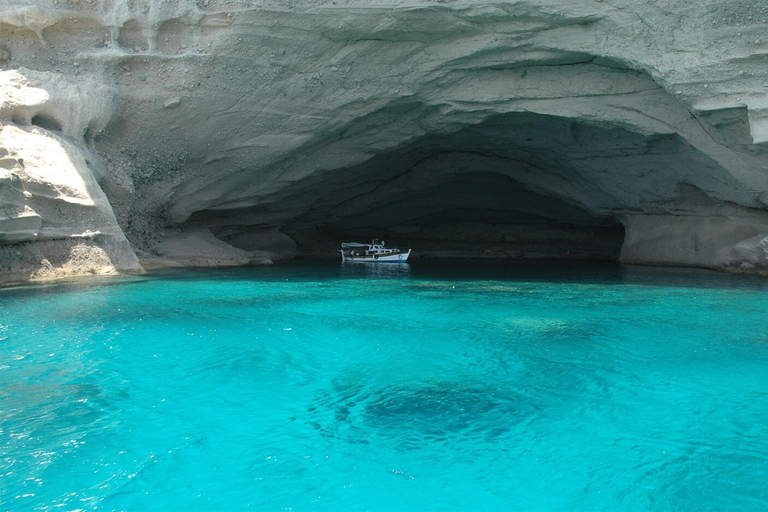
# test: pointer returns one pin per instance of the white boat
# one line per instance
(375, 252)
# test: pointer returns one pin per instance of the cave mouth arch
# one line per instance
(470, 214)
(516, 185)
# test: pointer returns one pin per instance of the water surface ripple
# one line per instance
(327, 387)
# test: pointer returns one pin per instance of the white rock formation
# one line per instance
(516, 128)
(198, 247)
(48, 192)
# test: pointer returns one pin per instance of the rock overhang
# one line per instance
(250, 119)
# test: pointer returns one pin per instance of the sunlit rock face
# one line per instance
(235, 132)
(55, 220)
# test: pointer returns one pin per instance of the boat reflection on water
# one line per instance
(400, 270)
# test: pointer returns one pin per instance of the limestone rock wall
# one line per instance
(561, 120)
(55, 220)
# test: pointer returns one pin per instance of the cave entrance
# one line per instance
(471, 214)
(514, 186)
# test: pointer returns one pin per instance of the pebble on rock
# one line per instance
(172, 102)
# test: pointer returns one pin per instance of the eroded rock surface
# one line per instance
(55, 220)
(582, 128)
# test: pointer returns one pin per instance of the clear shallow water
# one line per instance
(525, 387)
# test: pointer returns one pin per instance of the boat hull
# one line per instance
(401, 257)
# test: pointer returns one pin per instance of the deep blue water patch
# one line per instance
(436, 387)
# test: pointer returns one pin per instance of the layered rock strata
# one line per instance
(55, 220)
(228, 131)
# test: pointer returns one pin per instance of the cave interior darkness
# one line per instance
(516, 185)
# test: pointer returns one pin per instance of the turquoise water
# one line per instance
(328, 387)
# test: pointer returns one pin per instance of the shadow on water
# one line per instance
(314, 270)
(582, 272)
